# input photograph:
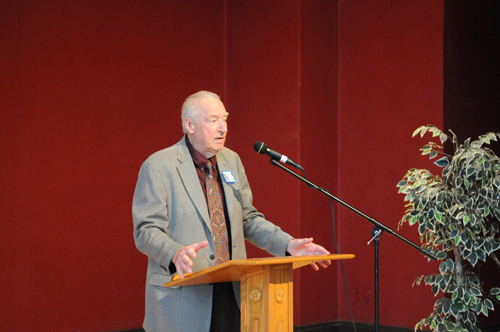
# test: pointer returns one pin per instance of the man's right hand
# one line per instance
(182, 258)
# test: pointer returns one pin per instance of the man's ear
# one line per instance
(189, 125)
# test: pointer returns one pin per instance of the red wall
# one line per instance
(390, 83)
(90, 89)
(318, 296)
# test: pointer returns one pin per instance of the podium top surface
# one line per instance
(231, 270)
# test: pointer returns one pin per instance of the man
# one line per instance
(192, 209)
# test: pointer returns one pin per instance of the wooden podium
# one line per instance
(266, 288)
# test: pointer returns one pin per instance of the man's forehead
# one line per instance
(216, 114)
(212, 107)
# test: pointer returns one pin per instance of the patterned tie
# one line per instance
(219, 230)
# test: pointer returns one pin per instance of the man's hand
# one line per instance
(306, 247)
(182, 258)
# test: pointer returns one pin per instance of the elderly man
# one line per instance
(192, 209)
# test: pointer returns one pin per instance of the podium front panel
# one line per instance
(267, 299)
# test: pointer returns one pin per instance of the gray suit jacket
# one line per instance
(169, 212)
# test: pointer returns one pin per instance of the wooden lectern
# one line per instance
(266, 288)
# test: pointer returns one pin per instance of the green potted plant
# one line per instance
(458, 217)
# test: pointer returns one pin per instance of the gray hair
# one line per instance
(191, 107)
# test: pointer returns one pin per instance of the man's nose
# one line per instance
(222, 126)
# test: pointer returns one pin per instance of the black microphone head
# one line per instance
(260, 147)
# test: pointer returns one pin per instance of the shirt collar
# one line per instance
(199, 160)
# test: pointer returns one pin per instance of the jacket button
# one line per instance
(212, 257)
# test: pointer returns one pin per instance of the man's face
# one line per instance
(208, 134)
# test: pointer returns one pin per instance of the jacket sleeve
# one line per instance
(150, 216)
(258, 231)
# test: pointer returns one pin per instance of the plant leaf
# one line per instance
(466, 220)
(472, 317)
(449, 325)
(473, 279)
(481, 255)
(442, 162)
(435, 289)
(446, 307)
(441, 255)
(488, 304)
(484, 310)
(417, 281)
(488, 247)
(466, 143)
(454, 310)
(450, 265)
(419, 129)
(473, 259)
(475, 291)
(442, 267)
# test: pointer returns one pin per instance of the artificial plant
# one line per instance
(457, 216)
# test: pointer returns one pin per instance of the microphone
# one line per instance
(261, 147)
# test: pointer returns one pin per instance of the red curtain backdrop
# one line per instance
(89, 89)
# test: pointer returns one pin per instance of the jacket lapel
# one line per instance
(187, 172)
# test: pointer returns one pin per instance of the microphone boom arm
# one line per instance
(369, 219)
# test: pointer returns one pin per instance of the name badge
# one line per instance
(228, 177)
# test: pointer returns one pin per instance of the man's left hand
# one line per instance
(306, 247)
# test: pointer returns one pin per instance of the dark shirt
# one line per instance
(200, 163)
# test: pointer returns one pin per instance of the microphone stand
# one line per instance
(376, 233)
